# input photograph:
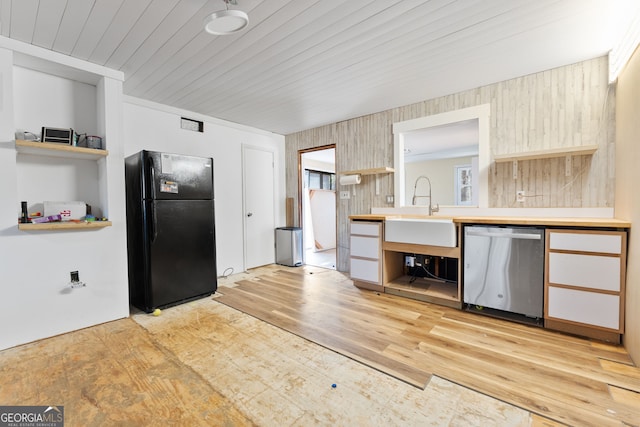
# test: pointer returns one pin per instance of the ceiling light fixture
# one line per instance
(226, 21)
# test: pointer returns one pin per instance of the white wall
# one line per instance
(318, 165)
(45, 100)
(441, 175)
(627, 197)
(77, 101)
(36, 300)
(155, 127)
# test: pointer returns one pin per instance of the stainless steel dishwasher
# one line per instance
(504, 270)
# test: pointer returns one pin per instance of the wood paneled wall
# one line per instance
(563, 107)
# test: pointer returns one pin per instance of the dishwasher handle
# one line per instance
(523, 236)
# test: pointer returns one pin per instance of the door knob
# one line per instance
(250, 214)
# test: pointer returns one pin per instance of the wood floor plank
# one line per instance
(579, 392)
(545, 336)
(630, 371)
(502, 384)
(562, 361)
(350, 348)
(627, 397)
(565, 379)
(331, 339)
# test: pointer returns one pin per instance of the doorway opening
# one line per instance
(317, 205)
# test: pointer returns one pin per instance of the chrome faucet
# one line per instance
(432, 208)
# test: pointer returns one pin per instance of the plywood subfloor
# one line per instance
(204, 363)
(113, 374)
(563, 378)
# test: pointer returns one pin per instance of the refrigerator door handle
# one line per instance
(152, 175)
(154, 221)
(151, 191)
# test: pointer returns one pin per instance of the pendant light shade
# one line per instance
(226, 22)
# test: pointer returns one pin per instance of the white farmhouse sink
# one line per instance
(421, 231)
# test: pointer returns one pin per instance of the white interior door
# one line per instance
(259, 209)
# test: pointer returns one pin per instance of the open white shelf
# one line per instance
(370, 171)
(566, 152)
(583, 150)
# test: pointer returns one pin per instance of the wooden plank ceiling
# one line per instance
(304, 63)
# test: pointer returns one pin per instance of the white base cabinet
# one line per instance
(366, 254)
(589, 308)
(585, 282)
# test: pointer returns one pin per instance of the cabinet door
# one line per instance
(367, 247)
(586, 242)
(591, 308)
(365, 269)
(585, 271)
(365, 228)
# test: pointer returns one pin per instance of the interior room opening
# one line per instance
(318, 206)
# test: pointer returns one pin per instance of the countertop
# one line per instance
(509, 220)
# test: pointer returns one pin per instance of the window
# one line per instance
(318, 180)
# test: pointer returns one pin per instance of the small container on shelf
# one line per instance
(50, 218)
(24, 215)
(89, 141)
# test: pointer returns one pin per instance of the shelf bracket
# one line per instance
(515, 169)
(567, 165)
(377, 184)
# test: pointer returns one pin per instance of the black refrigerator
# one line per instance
(170, 229)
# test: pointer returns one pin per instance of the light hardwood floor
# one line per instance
(568, 379)
(205, 363)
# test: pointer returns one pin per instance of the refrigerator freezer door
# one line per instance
(182, 263)
(177, 177)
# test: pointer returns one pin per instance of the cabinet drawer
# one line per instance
(364, 269)
(584, 307)
(366, 228)
(588, 271)
(586, 242)
(367, 247)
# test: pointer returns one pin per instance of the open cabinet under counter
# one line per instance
(397, 279)
(424, 289)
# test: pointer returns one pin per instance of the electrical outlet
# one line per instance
(419, 260)
(344, 195)
(409, 261)
(390, 199)
(520, 196)
(75, 280)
